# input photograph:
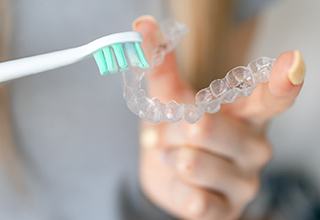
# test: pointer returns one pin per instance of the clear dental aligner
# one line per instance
(239, 81)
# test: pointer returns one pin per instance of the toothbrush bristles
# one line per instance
(119, 57)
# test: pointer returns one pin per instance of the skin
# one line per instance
(210, 170)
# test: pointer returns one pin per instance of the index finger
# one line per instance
(164, 81)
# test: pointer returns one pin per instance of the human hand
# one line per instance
(210, 170)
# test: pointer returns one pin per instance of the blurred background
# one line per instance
(285, 25)
(295, 135)
(37, 28)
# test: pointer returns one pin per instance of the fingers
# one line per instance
(224, 136)
(166, 189)
(276, 96)
(149, 29)
(215, 174)
(164, 81)
(194, 203)
(285, 84)
(192, 181)
(287, 75)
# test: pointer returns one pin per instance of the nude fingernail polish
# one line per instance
(197, 206)
(296, 73)
(137, 22)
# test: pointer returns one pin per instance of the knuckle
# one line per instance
(215, 207)
(233, 214)
(189, 161)
(198, 206)
(263, 152)
(249, 190)
(266, 153)
(199, 132)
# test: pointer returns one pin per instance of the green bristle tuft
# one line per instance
(100, 60)
(120, 56)
(132, 55)
(116, 57)
(143, 61)
(110, 60)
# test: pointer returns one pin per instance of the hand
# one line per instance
(210, 170)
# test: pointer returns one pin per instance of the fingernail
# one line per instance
(296, 73)
(149, 138)
(138, 21)
(180, 194)
(197, 206)
(191, 201)
(148, 26)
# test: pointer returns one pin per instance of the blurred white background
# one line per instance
(287, 25)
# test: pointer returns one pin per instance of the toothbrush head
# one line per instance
(120, 51)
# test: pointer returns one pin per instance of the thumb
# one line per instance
(163, 81)
(270, 99)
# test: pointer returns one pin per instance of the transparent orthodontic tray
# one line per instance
(240, 81)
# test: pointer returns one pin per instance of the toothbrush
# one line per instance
(112, 53)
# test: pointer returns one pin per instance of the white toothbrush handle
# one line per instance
(31, 65)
